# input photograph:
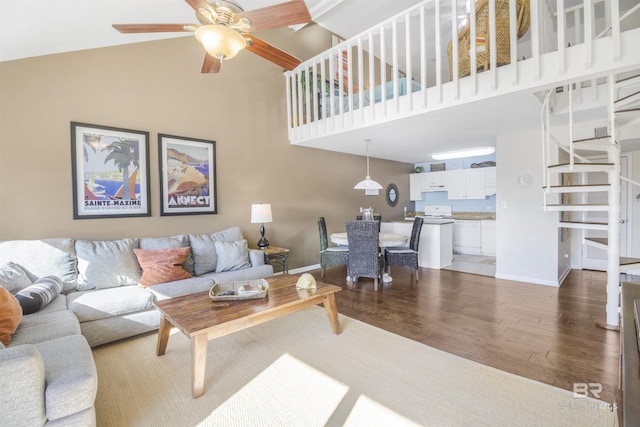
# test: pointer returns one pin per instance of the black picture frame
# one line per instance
(109, 172)
(187, 175)
(392, 194)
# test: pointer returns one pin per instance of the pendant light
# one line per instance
(368, 183)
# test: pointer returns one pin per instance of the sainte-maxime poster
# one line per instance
(110, 169)
(187, 175)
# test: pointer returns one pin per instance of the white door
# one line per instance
(595, 258)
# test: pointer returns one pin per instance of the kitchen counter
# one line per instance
(459, 215)
(435, 249)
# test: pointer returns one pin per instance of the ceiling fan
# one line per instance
(224, 27)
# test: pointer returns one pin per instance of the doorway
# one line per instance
(595, 258)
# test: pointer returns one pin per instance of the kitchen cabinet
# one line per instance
(415, 186)
(435, 181)
(488, 236)
(467, 237)
(466, 184)
(489, 181)
(426, 182)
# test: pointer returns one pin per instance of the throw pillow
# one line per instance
(14, 277)
(10, 315)
(106, 264)
(232, 255)
(34, 297)
(162, 265)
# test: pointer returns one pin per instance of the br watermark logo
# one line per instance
(581, 390)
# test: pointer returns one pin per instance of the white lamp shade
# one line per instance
(261, 213)
(368, 184)
(220, 41)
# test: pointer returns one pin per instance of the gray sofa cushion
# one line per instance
(22, 374)
(107, 263)
(204, 250)
(71, 382)
(44, 257)
(181, 287)
(104, 303)
(39, 327)
(178, 241)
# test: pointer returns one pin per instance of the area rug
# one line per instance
(293, 371)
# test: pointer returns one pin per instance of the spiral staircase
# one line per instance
(567, 182)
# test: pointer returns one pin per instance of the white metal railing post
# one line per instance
(472, 51)
(455, 49)
(407, 65)
(394, 66)
(535, 39)
(588, 33)
(571, 157)
(372, 71)
(513, 39)
(383, 72)
(423, 57)
(615, 29)
(439, 53)
(361, 79)
(561, 18)
(493, 55)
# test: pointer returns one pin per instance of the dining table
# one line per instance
(384, 240)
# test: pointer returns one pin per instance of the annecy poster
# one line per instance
(188, 176)
(110, 172)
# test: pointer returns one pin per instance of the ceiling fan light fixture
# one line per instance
(220, 41)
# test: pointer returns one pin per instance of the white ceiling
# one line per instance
(41, 27)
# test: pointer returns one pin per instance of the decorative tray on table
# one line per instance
(241, 290)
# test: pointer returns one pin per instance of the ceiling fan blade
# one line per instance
(201, 6)
(279, 15)
(154, 28)
(271, 53)
(211, 64)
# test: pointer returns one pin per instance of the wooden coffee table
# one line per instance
(201, 319)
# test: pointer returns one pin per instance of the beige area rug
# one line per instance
(294, 371)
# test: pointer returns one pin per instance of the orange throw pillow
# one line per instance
(162, 265)
(10, 315)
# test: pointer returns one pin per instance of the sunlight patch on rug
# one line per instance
(288, 392)
(368, 412)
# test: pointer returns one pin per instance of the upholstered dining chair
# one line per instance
(330, 255)
(375, 218)
(406, 256)
(365, 259)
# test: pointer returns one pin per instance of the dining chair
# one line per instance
(330, 255)
(405, 256)
(365, 259)
(375, 218)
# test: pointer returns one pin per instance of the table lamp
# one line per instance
(261, 213)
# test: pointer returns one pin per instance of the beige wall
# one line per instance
(157, 87)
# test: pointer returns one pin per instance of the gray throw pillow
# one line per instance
(14, 277)
(34, 297)
(203, 249)
(232, 256)
(107, 263)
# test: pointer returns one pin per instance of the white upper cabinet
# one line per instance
(467, 184)
(435, 181)
(415, 186)
(490, 181)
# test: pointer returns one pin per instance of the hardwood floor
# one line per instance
(544, 333)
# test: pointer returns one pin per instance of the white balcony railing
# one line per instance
(421, 59)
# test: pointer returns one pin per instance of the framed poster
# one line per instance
(187, 175)
(110, 172)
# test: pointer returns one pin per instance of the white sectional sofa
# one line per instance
(101, 301)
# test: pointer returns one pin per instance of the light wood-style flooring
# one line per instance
(544, 333)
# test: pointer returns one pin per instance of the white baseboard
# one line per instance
(555, 284)
(304, 269)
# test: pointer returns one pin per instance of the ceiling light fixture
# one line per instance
(368, 183)
(219, 41)
(483, 151)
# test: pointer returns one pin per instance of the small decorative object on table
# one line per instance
(306, 281)
(241, 290)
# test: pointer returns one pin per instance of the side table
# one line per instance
(277, 257)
